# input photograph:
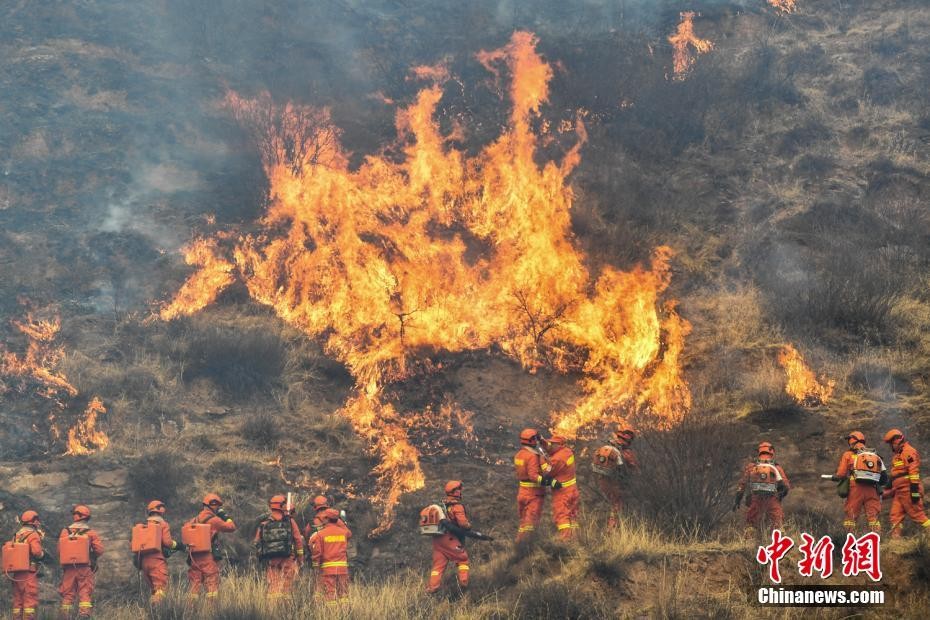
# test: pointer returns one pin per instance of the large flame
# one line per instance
(788, 6)
(801, 384)
(442, 251)
(684, 39)
(84, 437)
(35, 369)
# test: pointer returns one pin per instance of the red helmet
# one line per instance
(277, 502)
(156, 507)
(624, 435)
(454, 488)
(80, 513)
(331, 515)
(529, 437)
(320, 503)
(892, 435)
(30, 517)
(855, 437)
(212, 499)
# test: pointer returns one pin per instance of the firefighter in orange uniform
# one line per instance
(329, 555)
(867, 474)
(767, 485)
(612, 463)
(154, 564)
(906, 489)
(204, 571)
(281, 547)
(531, 495)
(77, 581)
(559, 474)
(320, 505)
(449, 546)
(26, 583)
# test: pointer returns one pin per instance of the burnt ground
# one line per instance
(789, 172)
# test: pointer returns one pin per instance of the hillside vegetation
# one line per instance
(789, 173)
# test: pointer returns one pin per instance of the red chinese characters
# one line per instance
(771, 554)
(858, 555)
(817, 556)
(862, 555)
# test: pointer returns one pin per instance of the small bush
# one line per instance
(556, 600)
(814, 166)
(880, 85)
(160, 475)
(698, 463)
(241, 363)
(263, 430)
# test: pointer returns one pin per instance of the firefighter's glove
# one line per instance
(555, 484)
(222, 514)
(836, 478)
(179, 546)
(915, 492)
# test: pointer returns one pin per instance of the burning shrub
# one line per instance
(161, 474)
(698, 464)
(263, 430)
(241, 363)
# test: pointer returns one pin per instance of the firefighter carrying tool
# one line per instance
(531, 494)
(906, 490)
(330, 557)
(559, 475)
(280, 547)
(151, 545)
(866, 474)
(20, 564)
(612, 463)
(79, 546)
(767, 485)
(449, 526)
(203, 549)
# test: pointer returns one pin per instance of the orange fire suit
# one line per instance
(448, 548)
(78, 581)
(329, 555)
(565, 499)
(204, 571)
(863, 494)
(905, 483)
(26, 583)
(153, 564)
(767, 484)
(281, 572)
(611, 485)
(530, 497)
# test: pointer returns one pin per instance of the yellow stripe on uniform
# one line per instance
(569, 482)
(330, 564)
(335, 538)
(463, 567)
(529, 484)
(526, 528)
(571, 460)
(563, 526)
(518, 461)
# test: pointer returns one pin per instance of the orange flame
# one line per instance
(35, 368)
(802, 385)
(83, 437)
(443, 251)
(788, 6)
(682, 58)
